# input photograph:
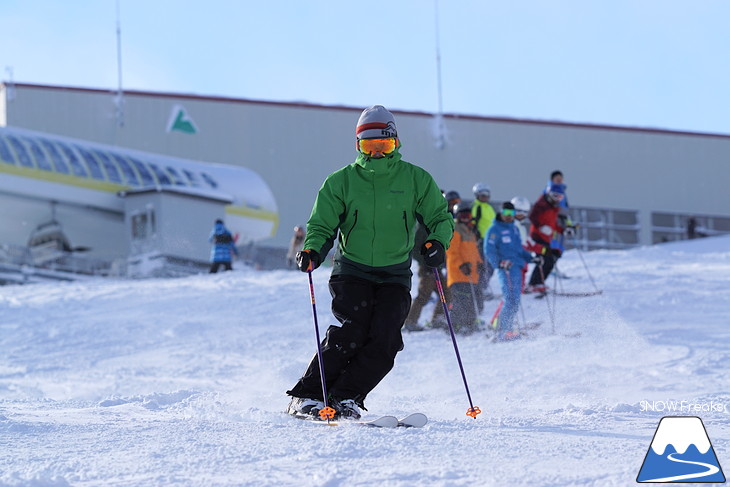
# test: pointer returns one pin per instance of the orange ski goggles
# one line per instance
(372, 146)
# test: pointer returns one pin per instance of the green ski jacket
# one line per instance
(374, 205)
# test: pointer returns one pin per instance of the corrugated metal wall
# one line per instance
(295, 146)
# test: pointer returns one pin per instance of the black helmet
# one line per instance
(451, 195)
(462, 206)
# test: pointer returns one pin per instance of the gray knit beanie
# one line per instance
(376, 122)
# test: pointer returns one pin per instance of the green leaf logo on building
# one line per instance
(180, 121)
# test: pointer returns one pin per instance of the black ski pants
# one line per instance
(216, 265)
(426, 287)
(358, 354)
(547, 266)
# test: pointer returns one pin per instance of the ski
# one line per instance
(521, 336)
(381, 422)
(531, 325)
(579, 294)
(585, 294)
(415, 420)
(312, 419)
(525, 333)
(576, 334)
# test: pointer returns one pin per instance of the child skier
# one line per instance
(223, 246)
(504, 250)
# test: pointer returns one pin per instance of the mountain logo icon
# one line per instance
(681, 452)
(180, 121)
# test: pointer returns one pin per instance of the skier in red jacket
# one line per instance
(544, 227)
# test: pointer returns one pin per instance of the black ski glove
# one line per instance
(466, 268)
(434, 254)
(307, 260)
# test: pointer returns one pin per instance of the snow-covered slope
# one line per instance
(181, 381)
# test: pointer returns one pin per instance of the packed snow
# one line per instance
(181, 382)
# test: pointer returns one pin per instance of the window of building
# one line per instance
(209, 179)
(92, 164)
(176, 178)
(194, 181)
(5, 153)
(144, 173)
(139, 226)
(39, 155)
(109, 166)
(603, 228)
(77, 167)
(23, 156)
(668, 227)
(144, 224)
(58, 161)
(163, 178)
(127, 169)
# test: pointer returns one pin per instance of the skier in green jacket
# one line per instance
(372, 205)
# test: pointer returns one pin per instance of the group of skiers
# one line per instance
(507, 240)
(370, 208)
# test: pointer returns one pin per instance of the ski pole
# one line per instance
(474, 299)
(509, 288)
(522, 289)
(556, 282)
(327, 412)
(472, 411)
(558, 279)
(580, 254)
(522, 312)
(547, 299)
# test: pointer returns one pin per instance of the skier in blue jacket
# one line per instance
(223, 246)
(503, 248)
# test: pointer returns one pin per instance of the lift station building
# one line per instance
(627, 186)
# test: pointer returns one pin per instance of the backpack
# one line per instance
(223, 238)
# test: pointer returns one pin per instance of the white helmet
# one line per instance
(481, 188)
(521, 203)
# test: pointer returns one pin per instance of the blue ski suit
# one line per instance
(503, 243)
(222, 247)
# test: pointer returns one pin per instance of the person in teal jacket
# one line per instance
(371, 207)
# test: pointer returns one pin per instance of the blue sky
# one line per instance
(641, 63)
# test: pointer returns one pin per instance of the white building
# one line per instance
(626, 185)
(81, 207)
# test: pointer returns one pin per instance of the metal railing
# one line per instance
(45, 262)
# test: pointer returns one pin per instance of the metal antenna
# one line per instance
(119, 100)
(440, 129)
(10, 85)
